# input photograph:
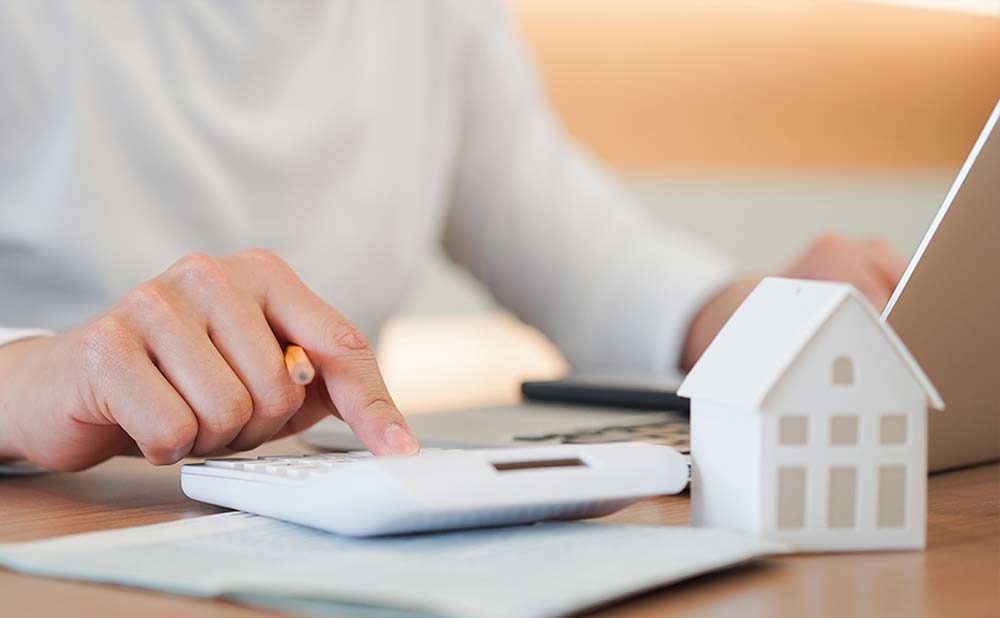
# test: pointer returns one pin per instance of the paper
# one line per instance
(529, 571)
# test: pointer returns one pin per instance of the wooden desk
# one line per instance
(958, 575)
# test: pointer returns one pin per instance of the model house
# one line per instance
(809, 423)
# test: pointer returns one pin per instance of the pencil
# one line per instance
(300, 370)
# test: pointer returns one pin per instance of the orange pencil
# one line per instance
(300, 369)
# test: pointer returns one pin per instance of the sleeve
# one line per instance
(553, 236)
(10, 335)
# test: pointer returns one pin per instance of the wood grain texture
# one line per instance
(784, 84)
(956, 576)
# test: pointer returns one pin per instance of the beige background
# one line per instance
(781, 84)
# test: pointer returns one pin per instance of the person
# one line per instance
(186, 187)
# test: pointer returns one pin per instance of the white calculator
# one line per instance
(357, 494)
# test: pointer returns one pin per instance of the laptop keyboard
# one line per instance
(671, 432)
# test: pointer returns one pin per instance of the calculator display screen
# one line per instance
(507, 466)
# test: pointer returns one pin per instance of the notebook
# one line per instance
(541, 570)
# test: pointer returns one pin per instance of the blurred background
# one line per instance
(756, 125)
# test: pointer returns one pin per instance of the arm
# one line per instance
(554, 237)
(561, 245)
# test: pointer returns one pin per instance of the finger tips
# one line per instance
(875, 291)
(380, 426)
(889, 265)
(399, 440)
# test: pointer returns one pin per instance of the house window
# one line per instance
(843, 430)
(840, 498)
(892, 429)
(891, 496)
(793, 430)
(791, 497)
(843, 371)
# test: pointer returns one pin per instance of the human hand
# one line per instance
(870, 266)
(191, 363)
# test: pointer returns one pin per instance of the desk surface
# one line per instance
(958, 575)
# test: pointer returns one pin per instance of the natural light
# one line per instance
(988, 7)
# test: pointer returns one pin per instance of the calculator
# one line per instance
(360, 495)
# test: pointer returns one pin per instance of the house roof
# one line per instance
(768, 332)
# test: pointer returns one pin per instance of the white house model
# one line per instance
(809, 423)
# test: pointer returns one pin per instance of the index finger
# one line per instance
(341, 354)
(889, 266)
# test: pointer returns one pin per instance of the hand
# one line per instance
(870, 266)
(190, 363)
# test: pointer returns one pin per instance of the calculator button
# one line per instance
(336, 463)
(256, 466)
(234, 463)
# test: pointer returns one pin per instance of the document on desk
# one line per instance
(547, 569)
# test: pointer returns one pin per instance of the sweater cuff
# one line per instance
(10, 335)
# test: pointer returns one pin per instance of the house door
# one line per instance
(891, 496)
(841, 496)
(791, 497)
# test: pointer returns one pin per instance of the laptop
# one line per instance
(945, 308)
